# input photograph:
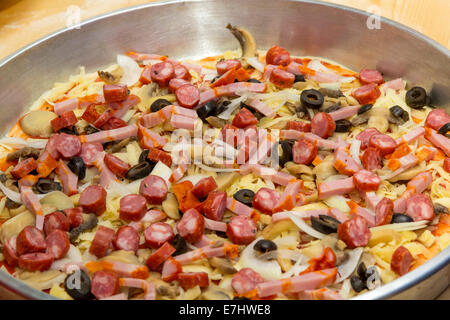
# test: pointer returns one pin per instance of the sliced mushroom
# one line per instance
(331, 93)
(275, 229)
(57, 199)
(37, 123)
(224, 180)
(170, 206)
(167, 290)
(223, 265)
(216, 122)
(324, 169)
(117, 146)
(111, 75)
(25, 152)
(122, 256)
(13, 226)
(216, 293)
(298, 169)
(246, 40)
(360, 119)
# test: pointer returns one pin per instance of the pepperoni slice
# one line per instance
(104, 284)
(419, 207)
(401, 260)
(299, 126)
(437, 118)
(9, 252)
(371, 159)
(154, 189)
(102, 241)
(265, 200)
(354, 232)
(116, 165)
(65, 120)
(244, 118)
(214, 206)
(132, 207)
(37, 261)
(68, 145)
(203, 187)
(367, 76)
(159, 256)
(126, 238)
(278, 56)
(30, 239)
(75, 216)
(323, 125)
(241, 230)
(191, 279)
(181, 72)
(23, 168)
(366, 181)
(175, 83)
(58, 244)
(367, 94)
(188, 96)
(227, 78)
(115, 92)
(93, 199)
(225, 65)
(89, 151)
(365, 135)
(162, 72)
(56, 221)
(384, 211)
(191, 226)
(304, 152)
(383, 142)
(281, 78)
(156, 155)
(157, 233)
(245, 280)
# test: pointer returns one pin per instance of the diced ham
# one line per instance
(344, 162)
(344, 112)
(67, 105)
(31, 202)
(230, 89)
(320, 142)
(110, 135)
(215, 225)
(238, 207)
(396, 84)
(288, 199)
(229, 250)
(68, 178)
(262, 107)
(418, 184)
(147, 286)
(182, 122)
(410, 136)
(438, 140)
(336, 187)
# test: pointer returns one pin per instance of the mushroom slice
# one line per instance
(111, 75)
(246, 40)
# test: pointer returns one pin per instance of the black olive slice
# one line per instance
(11, 204)
(445, 129)
(89, 129)
(44, 185)
(139, 171)
(357, 284)
(401, 218)
(361, 270)
(207, 109)
(286, 147)
(439, 208)
(221, 107)
(416, 97)
(365, 108)
(244, 196)
(343, 125)
(143, 156)
(258, 115)
(76, 164)
(179, 244)
(299, 78)
(325, 224)
(78, 285)
(311, 98)
(253, 80)
(264, 246)
(159, 104)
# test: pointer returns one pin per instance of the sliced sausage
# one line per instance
(132, 207)
(75, 216)
(278, 56)
(65, 120)
(126, 238)
(371, 159)
(104, 117)
(157, 233)
(37, 261)
(191, 279)
(383, 142)
(447, 164)
(56, 221)
(299, 126)
(161, 73)
(203, 187)
(23, 168)
(89, 151)
(146, 76)
(241, 230)
(68, 145)
(365, 135)
(159, 256)
(265, 200)
(9, 252)
(116, 165)
(30, 239)
(304, 152)
(384, 211)
(366, 181)
(191, 226)
(115, 92)
(367, 76)
(227, 78)
(171, 269)
(181, 72)
(281, 78)
(156, 155)
(437, 118)
(154, 189)
(175, 83)
(188, 96)
(114, 123)
(93, 199)
(401, 260)
(419, 207)
(104, 284)
(368, 93)
(354, 232)
(50, 147)
(244, 118)
(225, 65)
(58, 244)
(90, 114)
(323, 125)
(102, 241)
(245, 280)
(214, 206)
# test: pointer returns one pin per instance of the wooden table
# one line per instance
(24, 21)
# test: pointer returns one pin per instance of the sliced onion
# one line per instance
(355, 147)
(346, 269)
(209, 74)
(316, 65)
(330, 85)
(131, 70)
(346, 79)
(17, 143)
(254, 62)
(339, 202)
(406, 226)
(231, 107)
(304, 226)
(208, 168)
(194, 178)
(12, 195)
(162, 171)
(300, 265)
(281, 253)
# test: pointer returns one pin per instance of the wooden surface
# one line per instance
(24, 21)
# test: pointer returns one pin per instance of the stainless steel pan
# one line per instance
(197, 29)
